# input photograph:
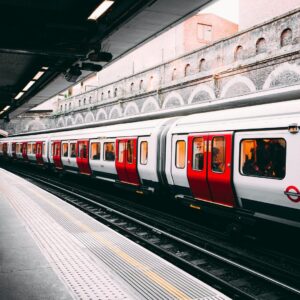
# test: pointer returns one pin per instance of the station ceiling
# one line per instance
(40, 41)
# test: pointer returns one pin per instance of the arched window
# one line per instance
(116, 92)
(66, 107)
(261, 46)
(102, 96)
(61, 108)
(70, 106)
(131, 87)
(141, 87)
(84, 101)
(187, 70)
(79, 103)
(151, 83)
(202, 65)
(286, 37)
(174, 74)
(90, 100)
(238, 54)
(108, 94)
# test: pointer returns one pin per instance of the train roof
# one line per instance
(275, 115)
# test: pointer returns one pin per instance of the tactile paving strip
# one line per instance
(149, 275)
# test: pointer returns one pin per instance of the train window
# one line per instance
(39, 148)
(180, 154)
(109, 151)
(144, 153)
(263, 157)
(34, 148)
(218, 154)
(13, 147)
(29, 148)
(95, 150)
(121, 151)
(82, 150)
(1, 147)
(130, 149)
(72, 152)
(65, 149)
(18, 148)
(5, 148)
(198, 153)
(43, 148)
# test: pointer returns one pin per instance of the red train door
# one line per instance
(82, 158)
(56, 152)
(197, 166)
(126, 160)
(220, 168)
(39, 153)
(24, 151)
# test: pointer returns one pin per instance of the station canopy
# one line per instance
(47, 45)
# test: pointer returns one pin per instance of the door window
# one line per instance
(18, 149)
(180, 154)
(130, 146)
(95, 150)
(29, 148)
(198, 153)
(144, 153)
(82, 150)
(57, 149)
(121, 151)
(263, 157)
(218, 154)
(109, 151)
(39, 149)
(34, 148)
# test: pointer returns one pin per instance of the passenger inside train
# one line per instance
(198, 154)
(109, 151)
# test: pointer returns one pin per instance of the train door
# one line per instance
(39, 153)
(179, 166)
(83, 157)
(56, 154)
(220, 168)
(24, 151)
(197, 166)
(126, 160)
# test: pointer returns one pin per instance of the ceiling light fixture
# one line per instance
(45, 68)
(19, 95)
(28, 86)
(38, 75)
(6, 108)
(100, 10)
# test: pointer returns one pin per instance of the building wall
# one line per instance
(253, 12)
(220, 28)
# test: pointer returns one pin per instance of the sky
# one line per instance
(228, 9)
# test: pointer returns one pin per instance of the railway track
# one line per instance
(233, 272)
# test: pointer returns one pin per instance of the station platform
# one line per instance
(51, 250)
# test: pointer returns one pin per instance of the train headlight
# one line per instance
(293, 128)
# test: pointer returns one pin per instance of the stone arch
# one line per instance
(285, 74)
(35, 125)
(174, 99)
(101, 115)
(131, 109)
(237, 86)
(201, 93)
(115, 112)
(61, 122)
(187, 70)
(150, 105)
(286, 37)
(78, 119)
(89, 118)
(261, 46)
(238, 53)
(69, 121)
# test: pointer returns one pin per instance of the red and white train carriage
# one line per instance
(243, 162)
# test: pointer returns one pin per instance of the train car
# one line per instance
(125, 154)
(240, 161)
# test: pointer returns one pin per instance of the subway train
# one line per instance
(241, 163)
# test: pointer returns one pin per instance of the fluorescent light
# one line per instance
(100, 10)
(45, 68)
(1, 112)
(28, 86)
(19, 95)
(38, 75)
(6, 108)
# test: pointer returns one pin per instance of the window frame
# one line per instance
(203, 143)
(141, 144)
(62, 149)
(131, 143)
(224, 156)
(70, 149)
(91, 149)
(176, 149)
(104, 152)
(261, 138)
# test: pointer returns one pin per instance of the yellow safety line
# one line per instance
(129, 259)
